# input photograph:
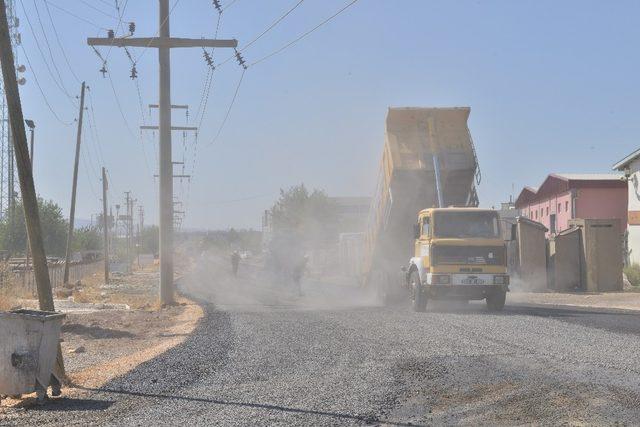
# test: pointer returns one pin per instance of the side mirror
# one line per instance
(416, 231)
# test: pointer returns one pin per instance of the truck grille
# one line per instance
(469, 255)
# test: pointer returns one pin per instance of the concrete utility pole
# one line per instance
(31, 126)
(25, 176)
(127, 218)
(164, 43)
(105, 225)
(140, 231)
(74, 186)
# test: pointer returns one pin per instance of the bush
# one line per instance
(633, 274)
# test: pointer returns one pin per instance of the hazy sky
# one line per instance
(552, 87)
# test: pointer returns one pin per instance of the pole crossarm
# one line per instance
(175, 176)
(177, 106)
(190, 128)
(160, 42)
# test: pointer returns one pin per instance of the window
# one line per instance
(547, 210)
(559, 208)
(536, 214)
(425, 226)
(566, 206)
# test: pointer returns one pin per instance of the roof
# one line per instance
(457, 209)
(589, 176)
(556, 183)
(622, 164)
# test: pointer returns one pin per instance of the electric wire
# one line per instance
(158, 32)
(229, 5)
(226, 116)
(302, 36)
(57, 36)
(59, 84)
(126, 122)
(76, 16)
(44, 97)
(89, 5)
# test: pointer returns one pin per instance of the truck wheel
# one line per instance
(419, 293)
(496, 300)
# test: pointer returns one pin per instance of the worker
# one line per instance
(297, 273)
(235, 262)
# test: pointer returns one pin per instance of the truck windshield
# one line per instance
(466, 225)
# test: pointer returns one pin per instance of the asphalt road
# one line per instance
(263, 356)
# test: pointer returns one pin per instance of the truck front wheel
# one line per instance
(419, 293)
(496, 300)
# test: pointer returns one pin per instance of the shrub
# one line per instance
(633, 274)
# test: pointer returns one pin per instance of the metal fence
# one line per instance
(26, 279)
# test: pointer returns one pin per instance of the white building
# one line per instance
(630, 165)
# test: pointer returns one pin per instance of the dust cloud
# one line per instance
(259, 286)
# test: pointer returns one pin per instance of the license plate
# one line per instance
(472, 281)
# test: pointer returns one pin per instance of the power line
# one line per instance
(126, 122)
(44, 97)
(158, 32)
(55, 32)
(226, 117)
(86, 3)
(296, 40)
(272, 26)
(229, 5)
(59, 83)
(75, 16)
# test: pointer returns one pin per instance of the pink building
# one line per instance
(562, 197)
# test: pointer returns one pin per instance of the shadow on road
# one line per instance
(265, 406)
(64, 404)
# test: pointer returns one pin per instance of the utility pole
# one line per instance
(140, 230)
(72, 212)
(128, 224)
(164, 43)
(105, 225)
(25, 176)
(31, 126)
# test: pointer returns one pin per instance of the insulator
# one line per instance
(132, 27)
(111, 34)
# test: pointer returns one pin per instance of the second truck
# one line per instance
(425, 210)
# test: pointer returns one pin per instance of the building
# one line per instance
(630, 166)
(563, 197)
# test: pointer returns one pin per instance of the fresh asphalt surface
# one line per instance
(262, 356)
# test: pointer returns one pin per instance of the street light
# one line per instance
(31, 126)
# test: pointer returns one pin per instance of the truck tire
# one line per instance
(496, 300)
(419, 293)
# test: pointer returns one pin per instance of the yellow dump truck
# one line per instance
(428, 161)
(459, 254)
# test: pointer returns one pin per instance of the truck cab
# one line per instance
(459, 254)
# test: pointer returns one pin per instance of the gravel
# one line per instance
(261, 357)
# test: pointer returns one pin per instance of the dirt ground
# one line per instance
(609, 300)
(111, 329)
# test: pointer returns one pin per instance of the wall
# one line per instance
(602, 203)
(541, 211)
(532, 255)
(595, 203)
(634, 205)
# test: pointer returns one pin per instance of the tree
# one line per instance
(13, 233)
(87, 239)
(306, 217)
(151, 239)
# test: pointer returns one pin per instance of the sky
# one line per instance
(552, 87)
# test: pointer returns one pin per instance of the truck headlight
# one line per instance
(441, 279)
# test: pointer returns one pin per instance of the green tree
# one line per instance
(307, 217)
(13, 233)
(151, 239)
(87, 239)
